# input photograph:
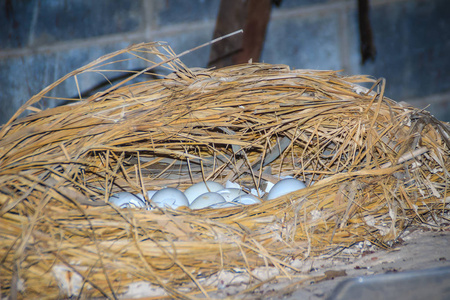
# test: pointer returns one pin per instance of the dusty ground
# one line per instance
(420, 249)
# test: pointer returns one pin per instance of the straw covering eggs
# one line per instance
(223, 205)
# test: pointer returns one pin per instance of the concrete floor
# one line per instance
(419, 250)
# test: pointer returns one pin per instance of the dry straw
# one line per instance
(372, 166)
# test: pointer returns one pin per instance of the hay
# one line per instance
(373, 168)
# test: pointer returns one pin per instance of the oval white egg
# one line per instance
(206, 200)
(284, 187)
(125, 199)
(200, 188)
(246, 199)
(170, 197)
(231, 193)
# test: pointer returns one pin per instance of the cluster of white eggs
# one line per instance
(204, 194)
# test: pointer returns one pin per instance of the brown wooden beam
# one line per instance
(250, 15)
(367, 44)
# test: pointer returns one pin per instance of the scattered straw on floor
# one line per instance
(372, 166)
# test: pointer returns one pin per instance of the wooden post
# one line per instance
(250, 15)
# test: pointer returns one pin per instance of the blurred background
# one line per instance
(405, 41)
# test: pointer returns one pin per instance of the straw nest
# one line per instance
(372, 167)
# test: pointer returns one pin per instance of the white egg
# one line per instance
(284, 187)
(170, 197)
(197, 189)
(246, 199)
(230, 193)
(206, 200)
(125, 199)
